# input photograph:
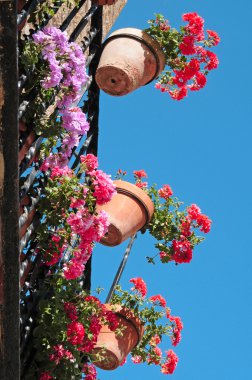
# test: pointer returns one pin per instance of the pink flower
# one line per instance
(137, 359)
(164, 257)
(75, 333)
(61, 172)
(158, 299)
(73, 269)
(90, 161)
(90, 371)
(104, 188)
(193, 211)
(74, 120)
(140, 285)
(165, 192)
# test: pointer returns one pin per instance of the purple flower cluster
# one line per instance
(66, 64)
(66, 69)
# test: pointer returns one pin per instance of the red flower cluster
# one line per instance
(170, 364)
(202, 220)
(60, 353)
(155, 340)
(45, 376)
(182, 249)
(90, 371)
(191, 74)
(158, 299)
(165, 192)
(177, 327)
(155, 356)
(140, 174)
(75, 333)
(140, 286)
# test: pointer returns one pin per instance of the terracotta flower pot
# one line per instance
(118, 347)
(130, 59)
(104, 2)
(130, 210)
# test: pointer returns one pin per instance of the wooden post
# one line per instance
(9, 232)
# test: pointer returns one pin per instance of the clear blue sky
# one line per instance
(201, 146)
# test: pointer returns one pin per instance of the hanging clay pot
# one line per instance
(130, 210)
(115, 349)
(104, 2)
(130, 59)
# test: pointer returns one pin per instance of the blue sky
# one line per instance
(201, 146)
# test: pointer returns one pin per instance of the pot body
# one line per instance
(130, 59)
(118, 347)
(104, 2)
(130, 210)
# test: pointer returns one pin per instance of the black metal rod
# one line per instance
(121, 268)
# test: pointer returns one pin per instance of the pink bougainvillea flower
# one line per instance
(90, 161)
(140, 285)
(104, 188)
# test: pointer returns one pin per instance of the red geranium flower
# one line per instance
(140, 285)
